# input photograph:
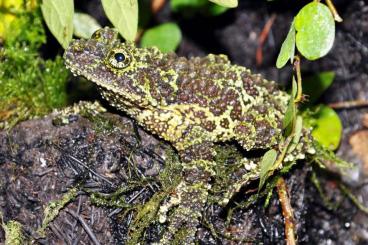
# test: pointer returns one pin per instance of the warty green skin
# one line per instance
(192, 103)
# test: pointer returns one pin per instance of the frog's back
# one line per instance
(226, 101)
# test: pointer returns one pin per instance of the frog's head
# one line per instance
(120, 70)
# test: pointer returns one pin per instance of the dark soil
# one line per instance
(41, 159)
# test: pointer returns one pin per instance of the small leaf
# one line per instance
(294, 88)
(297, 133)
(84, 25)
(315, 85)
(123, 14)
(289, 114)
(266, 164)
(315, 28)
(58, 15)
(189, 8)
(215, 10)
(290, 111)
(327, 127)
(166, 37)
(287, 50)
(182, 5)
(226, 3)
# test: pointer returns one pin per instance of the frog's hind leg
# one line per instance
(183, 211)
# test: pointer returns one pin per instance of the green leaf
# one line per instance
(226, 3)
(216, 10)
(297, 133)
(294, 88)
(315, 85)
(287, 50)
(189, 8)
(266, 164)
(178, 5)
(289, 114)
(315, 28)
(166, 37)
(327, 127)
(58, 15)
(123, 14)
(290, 111)
(84, 25)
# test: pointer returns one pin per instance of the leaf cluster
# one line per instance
(63, 22)
(312, 32)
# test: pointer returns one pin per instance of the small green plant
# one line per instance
(59, 16)
(30, 85)
(312, 33)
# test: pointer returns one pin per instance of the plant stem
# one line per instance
(353, 198)
(348, 104)
(287, 211)
(281, 157)
(333, 10)
(298, 79)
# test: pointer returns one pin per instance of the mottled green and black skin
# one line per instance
(192, 103)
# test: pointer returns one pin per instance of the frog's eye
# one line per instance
(118, 59)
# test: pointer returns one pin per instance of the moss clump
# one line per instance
(13, 233)
(146, 214)
(29, 85)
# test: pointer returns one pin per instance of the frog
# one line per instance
(192, 103)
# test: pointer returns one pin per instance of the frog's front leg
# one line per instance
(183, 211)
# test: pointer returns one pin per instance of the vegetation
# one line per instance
(30, 85)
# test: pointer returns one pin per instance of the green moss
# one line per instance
(145, 215)
(115, 199)
(26, 30)
(13, 233)
(29, 85)
(171, 175)
(54, 207)
(102, 125)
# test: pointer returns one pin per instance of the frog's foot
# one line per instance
(184, 219)
(183, 211)
(252, 173)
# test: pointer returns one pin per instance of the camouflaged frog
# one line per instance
(192, 103)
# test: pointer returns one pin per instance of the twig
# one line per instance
(85, 226)
(84, 165)
(74, 225)
(90, 170)
(333, 11)
(262, 38)
(136, 195)
(287, 211)
(58, 234)
(348, 104)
